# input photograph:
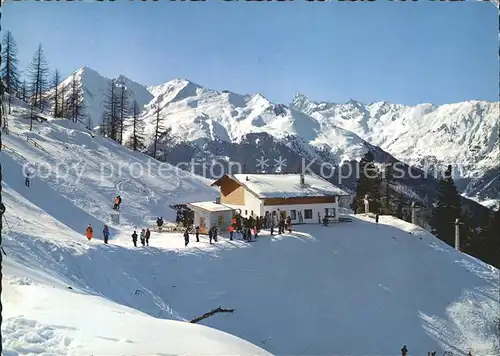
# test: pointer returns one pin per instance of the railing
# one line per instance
(14, 151)
(36, 144)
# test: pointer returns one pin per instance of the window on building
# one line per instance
(251, 212)
(330, 212)
(308, 214)
(293, 214)
(246, 212)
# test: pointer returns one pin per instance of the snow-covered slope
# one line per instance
(88, 172)
(43, 317)
(351, 288)
(427, 136)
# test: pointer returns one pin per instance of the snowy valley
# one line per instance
(352, 288)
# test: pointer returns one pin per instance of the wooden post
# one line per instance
(457, 234)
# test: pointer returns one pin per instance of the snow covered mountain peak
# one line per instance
(462, 134)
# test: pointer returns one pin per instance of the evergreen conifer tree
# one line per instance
(368, 183)
(447, 209)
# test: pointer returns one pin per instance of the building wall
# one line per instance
(252, 205)
(316, 208)
(231, 192)
(221, 219)
(299, 200)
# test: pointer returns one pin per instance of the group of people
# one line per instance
(105, 233)
(144, 237)
(249, 227)
(404, 352)
(212, 234)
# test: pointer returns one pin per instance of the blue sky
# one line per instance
(405, 53)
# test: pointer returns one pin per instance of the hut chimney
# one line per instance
(217, 200)
(247, 178)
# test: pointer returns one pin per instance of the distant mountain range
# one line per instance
(209, 124)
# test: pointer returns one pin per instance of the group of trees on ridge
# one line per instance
(33, 88)
(478, 239)
(45, 91)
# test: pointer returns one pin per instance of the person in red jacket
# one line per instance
(90, 232)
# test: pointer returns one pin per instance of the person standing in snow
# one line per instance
(376, 218)
(134, 238)
(143, 237)
(89, 232)
(404, 351)
(186, 237)
(148, 235)
(210, 235)
(159, 222)
(197, 232)
(105, 234)
(231, 231)
(281, 227)
(215, 233)
(27, 180)
(118, 201)
(289, 224)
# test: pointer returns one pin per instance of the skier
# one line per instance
(231, 231)
(148, 235)
(197, 232)
(376, 218)
(404, 351)
(90, 232)
(105, 234)
(289, 224)
(143, 237)
(186, 237)
(134, 238)
(159, 222)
